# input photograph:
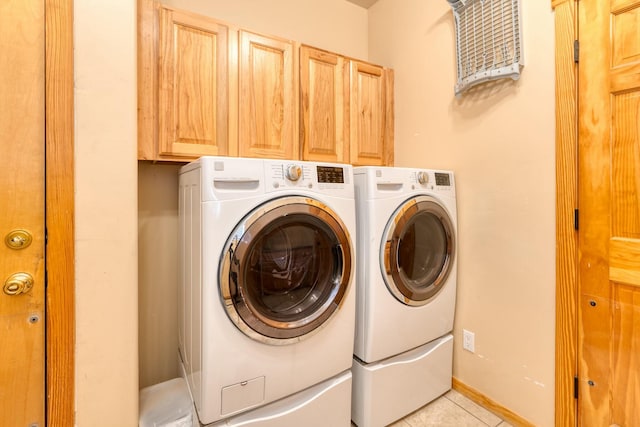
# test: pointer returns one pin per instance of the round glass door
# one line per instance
(286, 269)
(418, 249)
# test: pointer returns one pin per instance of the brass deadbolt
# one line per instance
(18, 283)
(18, 239)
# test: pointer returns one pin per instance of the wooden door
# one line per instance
(267, 100)
(609, 202)
(324, 95)
(371, 114)
(193, 94)
(22, 270)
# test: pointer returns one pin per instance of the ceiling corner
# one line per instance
(363, 3)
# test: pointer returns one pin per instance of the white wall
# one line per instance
(106, 221)
(334, 25)
(500, 142)
(158, 272)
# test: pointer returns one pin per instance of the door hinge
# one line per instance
(576, 219)
(576, 51)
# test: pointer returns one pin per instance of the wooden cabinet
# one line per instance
(347, 109)
(268, 97)
(324, 90)
(208, 88)
(193, 97)
(371, 114)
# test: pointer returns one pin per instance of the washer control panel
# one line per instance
(307, 175)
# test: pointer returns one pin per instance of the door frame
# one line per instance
(60, 255)
(566, 354)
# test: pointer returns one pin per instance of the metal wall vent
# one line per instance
(488, 41)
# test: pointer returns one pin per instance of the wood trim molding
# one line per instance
(566, 202)
(389, 118)
(487, 403)
(59, 134)
(147, 95)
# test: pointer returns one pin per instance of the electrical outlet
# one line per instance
(468, 341)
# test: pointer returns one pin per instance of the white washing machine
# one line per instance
(266, 301)
(406, 290)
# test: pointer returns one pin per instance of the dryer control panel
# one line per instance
(429, 179)
(382, 181)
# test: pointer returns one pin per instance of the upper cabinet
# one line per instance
(206, 87)
(267, 98)
(193, 97)
(346, 109)
(324, 94)
(371, 108)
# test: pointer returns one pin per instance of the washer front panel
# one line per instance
(286, 269)
(417, 250)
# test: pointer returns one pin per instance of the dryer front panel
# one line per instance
(417, 250)
(286, 269)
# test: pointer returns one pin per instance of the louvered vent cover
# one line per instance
(488, 41)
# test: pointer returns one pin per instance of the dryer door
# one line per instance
(418, 250)
(286, 270)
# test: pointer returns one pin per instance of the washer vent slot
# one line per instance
(488, 41)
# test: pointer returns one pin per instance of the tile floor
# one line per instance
(451, 410)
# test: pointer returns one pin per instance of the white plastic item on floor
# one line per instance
(327, 404)
(386, 391)
(167, 404)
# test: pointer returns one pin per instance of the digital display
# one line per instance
(330, 175)
(443, 179)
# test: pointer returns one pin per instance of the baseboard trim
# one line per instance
(493, 406)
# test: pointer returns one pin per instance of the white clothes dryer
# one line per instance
(406, 290)
(266, 302)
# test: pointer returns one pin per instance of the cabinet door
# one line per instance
(267, 102)
(324, 90)
(371, 109)
(192, 86)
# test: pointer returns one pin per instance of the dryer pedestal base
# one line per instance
(390, 389)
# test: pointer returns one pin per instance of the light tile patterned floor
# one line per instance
(452, 410)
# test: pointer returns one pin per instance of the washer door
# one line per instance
(286, 269)
(418, 250)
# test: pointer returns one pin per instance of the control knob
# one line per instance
(293, 172)
(423, 177)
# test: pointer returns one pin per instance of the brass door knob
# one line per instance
(18, 283)
(18, 239)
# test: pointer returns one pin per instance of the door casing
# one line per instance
(566, 203)
(59, 177)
